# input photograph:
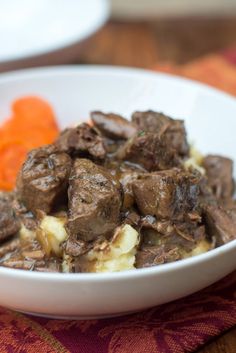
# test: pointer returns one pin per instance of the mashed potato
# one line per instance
(195, 160)
(26, 234)
(118, 254)
(51, 234)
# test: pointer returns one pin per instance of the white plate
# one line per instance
(29, 29)
(74, 91)
(153, 9)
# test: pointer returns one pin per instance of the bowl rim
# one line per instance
(100, 70)
(51, 71)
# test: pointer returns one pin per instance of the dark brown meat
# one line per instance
(49, 265)
(82, 141)
(94, 201)
(150, 150)
(219, 172)
(9, 222)
(229, 205)
(44, 265)
(220, 223)
(206, 194)
(76, 247)
(26, 217)
(132, 218)
(113, 126)
(9, 247)
(125, 173)
(126, 180)
(174, 130)
(169, 194)
(183, 235)
(155, 255)
(43, 179)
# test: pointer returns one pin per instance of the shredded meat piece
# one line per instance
(82, 141)
(156, 255)
(113, 125)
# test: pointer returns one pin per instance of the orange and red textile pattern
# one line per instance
(180, 326)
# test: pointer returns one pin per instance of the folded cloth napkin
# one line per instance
(177, 327)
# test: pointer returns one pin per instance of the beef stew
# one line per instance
(116, 195)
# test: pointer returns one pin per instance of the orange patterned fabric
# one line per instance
(177, 327)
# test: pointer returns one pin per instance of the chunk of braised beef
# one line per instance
(113, 126)
(43, 179)
(174, 130)
(169, 194)
(82, 141)
(94, 201)
(9, 222)
(156, 255)
(220, 223)
(150, 150)
(219, 171)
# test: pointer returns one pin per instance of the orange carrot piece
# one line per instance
(34, 110)
(33, 120)
(32, 124)
(12, 156)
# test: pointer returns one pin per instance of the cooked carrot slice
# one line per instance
(4, 185)
(12, 155)
(32, 124)
(34, 111)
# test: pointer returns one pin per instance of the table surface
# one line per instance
(143, 45)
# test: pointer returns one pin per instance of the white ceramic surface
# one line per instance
(74, 91)
(146, 9)
(32, 29)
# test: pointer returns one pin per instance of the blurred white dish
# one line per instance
(146, 9)
(73, 92)
(31, 29)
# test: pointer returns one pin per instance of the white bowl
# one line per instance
(44, 32)
(153, 9)
(74, 91)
